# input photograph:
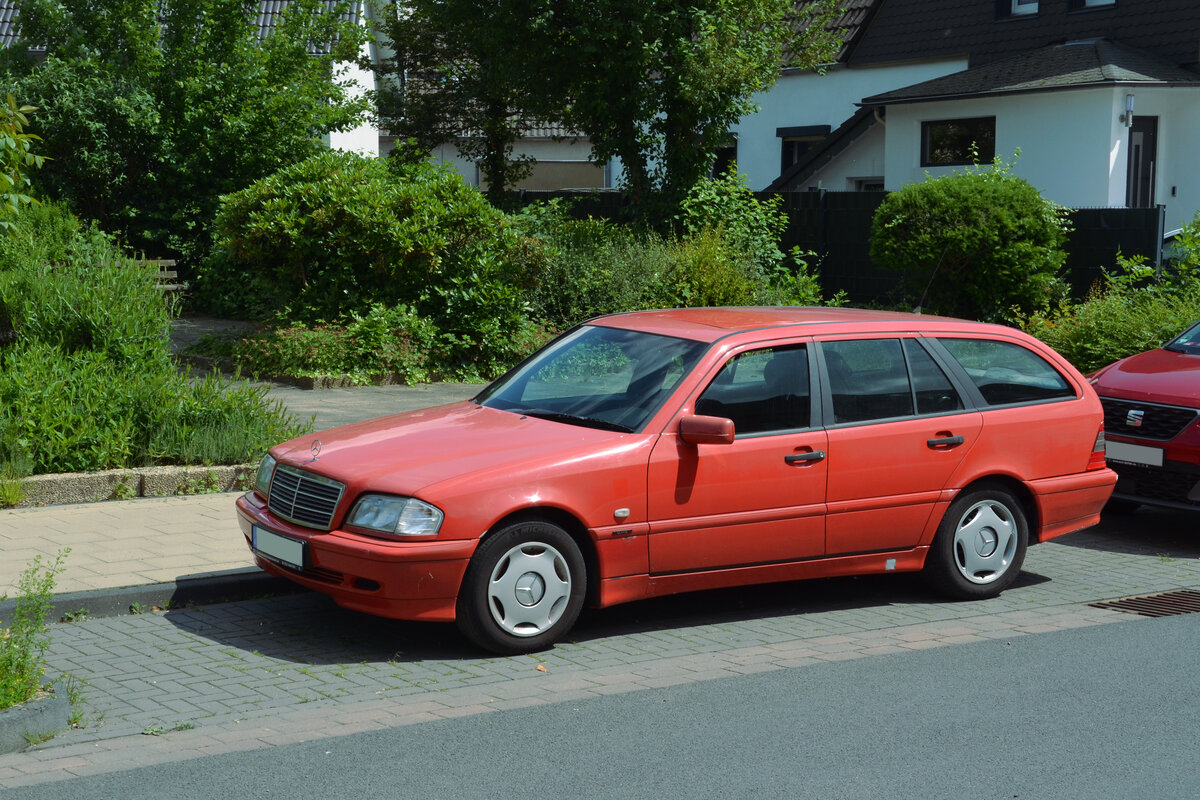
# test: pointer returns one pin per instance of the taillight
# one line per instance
(1097, 459)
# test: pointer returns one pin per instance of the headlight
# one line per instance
(395, 516)
(262, 481)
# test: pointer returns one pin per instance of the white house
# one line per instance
(1100, 97)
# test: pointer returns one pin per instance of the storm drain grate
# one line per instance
(1166, 604)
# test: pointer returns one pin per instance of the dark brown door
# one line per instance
(1143, 162)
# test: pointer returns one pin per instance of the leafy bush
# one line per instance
(67, 285)
(383, 341)
(751, 227)
(337, 233)
(974, 244)
(1133, 310)
(590, 267)
(151, 111)
(86, 381)
(23, 643)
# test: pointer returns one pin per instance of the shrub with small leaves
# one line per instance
(976, 244)
(24, 641)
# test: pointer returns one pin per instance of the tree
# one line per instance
(16, 159)
(655, 83)
(151, 111)
(980, 243)
(659, 83)
(457, 78)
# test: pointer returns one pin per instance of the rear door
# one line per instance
(759, 500)
(898, 428)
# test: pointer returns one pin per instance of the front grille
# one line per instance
(304, 498)
(1159, 423)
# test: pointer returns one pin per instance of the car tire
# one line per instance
(980, 545)
(523, 589)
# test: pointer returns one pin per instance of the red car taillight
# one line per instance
(1097, 459)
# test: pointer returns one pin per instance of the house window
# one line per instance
(865, 184)
(1008, 9)
(726, 157)
(797, 141)
(948, 142)
(1078, 4)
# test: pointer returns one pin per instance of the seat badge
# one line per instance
(316, 449)
(1132, 420)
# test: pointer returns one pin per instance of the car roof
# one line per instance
(710, 324)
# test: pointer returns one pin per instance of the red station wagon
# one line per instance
(656, 452)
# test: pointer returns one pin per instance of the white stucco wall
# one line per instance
(364, 138)
(1073, 147)
(1178, 180)
(806, 98)
(861, 160)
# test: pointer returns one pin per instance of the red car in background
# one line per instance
(1151, 415)
(656, 452)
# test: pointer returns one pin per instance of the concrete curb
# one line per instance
(125, 484)
(36, 720)
(227, 586)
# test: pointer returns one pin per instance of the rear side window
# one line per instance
(1007, 373)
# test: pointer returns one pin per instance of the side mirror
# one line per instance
(699, 429)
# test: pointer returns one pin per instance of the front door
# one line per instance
(757, 501)
(1143, 162)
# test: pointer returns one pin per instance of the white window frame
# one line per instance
(1021, 8)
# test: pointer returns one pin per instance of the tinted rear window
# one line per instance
(1007, 373)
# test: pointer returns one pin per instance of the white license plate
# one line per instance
(280, 548)
(1133, 454)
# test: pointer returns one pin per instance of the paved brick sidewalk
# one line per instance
(266, 672)
(125, 542)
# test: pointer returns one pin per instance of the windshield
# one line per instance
(1186, 342)
(598, 377)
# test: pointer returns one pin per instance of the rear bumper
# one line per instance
(402, 580)
(1071, 502)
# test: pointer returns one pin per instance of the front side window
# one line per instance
(597, 377)
(762, 391)
(950, 142)
(1022, 7)
(1078, 4)
(1007, 373)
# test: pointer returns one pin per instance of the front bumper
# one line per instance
(1176, 484)
(403, 580)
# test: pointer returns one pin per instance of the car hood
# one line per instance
(1157, 376)
(404, 453)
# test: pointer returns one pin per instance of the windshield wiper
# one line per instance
(572, 419)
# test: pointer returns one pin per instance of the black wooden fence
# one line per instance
(837, 226)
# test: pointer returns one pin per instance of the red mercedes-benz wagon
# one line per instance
(656, 452)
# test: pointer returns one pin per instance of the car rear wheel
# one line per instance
(523, 589)
(980, 545)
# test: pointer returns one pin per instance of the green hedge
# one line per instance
(86, 379)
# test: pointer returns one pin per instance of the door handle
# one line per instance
(946, 441)
(815, 455)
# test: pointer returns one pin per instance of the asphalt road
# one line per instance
(1106, 711)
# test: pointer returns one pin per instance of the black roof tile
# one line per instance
(1074, 64)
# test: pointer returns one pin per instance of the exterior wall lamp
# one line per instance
(1127, 117)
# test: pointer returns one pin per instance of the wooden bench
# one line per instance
(168, 277)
